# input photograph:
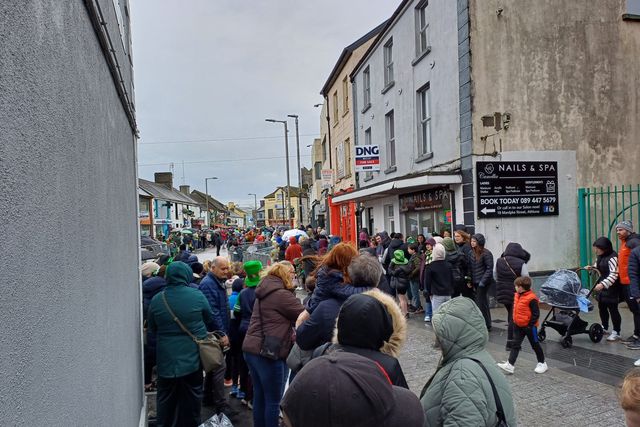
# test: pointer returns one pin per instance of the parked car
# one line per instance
(151, 248)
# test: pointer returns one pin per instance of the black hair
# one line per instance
(414, 247)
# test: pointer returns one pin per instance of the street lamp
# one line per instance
(286, 149)
(206, 190)
(255, 208)
(295, 116)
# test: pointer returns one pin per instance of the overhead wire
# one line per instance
(192, 162)
(248, 138)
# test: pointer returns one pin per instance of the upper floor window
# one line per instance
(317, 167)
(345, 95)
(422, 28)
(366, 86)
(324, 149)
(388, 62)
(335, 107)
(424, 121)
(367, 141)
(390, 137)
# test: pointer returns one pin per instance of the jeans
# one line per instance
(414, 286)
(519, 335)
(634, 308)
(607, 308)
(482, 301)
(214, 390)
(269, 378)
(509, 308)
(178, 400)
(438, 300)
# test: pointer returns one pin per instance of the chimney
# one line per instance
(261, 203)
(184, 189)
(164, 178)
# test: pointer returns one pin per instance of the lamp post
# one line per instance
(206, 190)
(286, 149)
(295, 116)
(255, 208)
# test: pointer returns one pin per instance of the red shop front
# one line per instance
(343, 220)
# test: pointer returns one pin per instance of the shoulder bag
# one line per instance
(510, 268)
(271, 345)
(211, 355)
(502, 420)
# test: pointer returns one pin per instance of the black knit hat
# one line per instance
(479, 238)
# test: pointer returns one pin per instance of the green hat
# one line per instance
(398, 257)
(411, 240)
(252, 268)
(449, 244)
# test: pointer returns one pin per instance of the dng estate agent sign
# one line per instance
(507, 189)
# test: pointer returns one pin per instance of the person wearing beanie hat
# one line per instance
(481, 267)
(399, 271)
(312, 401)
(438, 278)
(149, 269)
(629, 240)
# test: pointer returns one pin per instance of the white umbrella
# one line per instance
(293, 233)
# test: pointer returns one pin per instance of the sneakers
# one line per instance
(541, 368)
(507, 367)
(636, 363)
(234, 391)
(240, 395)
(427, 318)
(419, 310)
(613, 336)
(629, 340)
(634, 345)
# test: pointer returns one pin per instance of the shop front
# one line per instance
(343, 220)
(427, 211)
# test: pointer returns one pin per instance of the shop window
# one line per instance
(389, 221)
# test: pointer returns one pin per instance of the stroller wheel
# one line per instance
(596, 332)
(542, 335)
(567, 342)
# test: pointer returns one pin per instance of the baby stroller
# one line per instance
(564, 293)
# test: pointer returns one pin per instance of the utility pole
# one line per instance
(255, 208)
(286, 149)
(206, 190)
(295, 116)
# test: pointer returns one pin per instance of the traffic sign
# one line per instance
(506, 189)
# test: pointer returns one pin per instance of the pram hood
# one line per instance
(563, 289)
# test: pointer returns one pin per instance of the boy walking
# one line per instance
(525, 324)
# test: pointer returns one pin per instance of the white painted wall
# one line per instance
(551, 240)
(439, 68)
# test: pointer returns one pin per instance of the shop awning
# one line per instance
(398, 187)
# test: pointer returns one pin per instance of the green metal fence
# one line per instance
(599, 210)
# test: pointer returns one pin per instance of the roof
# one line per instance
(387, 24)
(161, 191)
(295, 192)
(201, 198)
(346, 54)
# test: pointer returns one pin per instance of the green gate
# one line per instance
(599, 210)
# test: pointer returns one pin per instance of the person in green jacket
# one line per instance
(459, 393)
(178, 359)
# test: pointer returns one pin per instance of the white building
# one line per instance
(406, 102)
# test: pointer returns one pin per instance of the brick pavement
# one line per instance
(557, 397)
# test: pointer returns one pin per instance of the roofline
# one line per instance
(388, 24)
(189, 200)
(345, 55)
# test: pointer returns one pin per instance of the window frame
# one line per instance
(366, 87)
(422, 28)
(345, 95)
(336, 111)
(390, 139)
(424, 120)
(388, 63)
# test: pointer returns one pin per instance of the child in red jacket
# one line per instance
(525, 324)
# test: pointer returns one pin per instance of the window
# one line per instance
(347, 157)
(176, 205)
(335, 107)
(270, 213)
(317, 167)
(389, 221)
(424, 121)
(367, 141)
(388, 63)
(345, 95)
(366, 87)
(422, 28)
(324, 149)
(391, 139)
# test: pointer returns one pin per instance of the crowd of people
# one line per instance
(351, 326)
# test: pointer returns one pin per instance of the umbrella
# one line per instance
(293, 233)
(186, 231)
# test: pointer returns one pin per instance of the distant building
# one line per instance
(237, 217)
(218, 211)
(275, 205)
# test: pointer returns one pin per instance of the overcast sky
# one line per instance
(215, 69)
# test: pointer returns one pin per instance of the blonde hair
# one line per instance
(281, 270)
(206, 267)
(629, 393)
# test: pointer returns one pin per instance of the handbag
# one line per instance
(211, 355)
(502, 420)
(271, 346)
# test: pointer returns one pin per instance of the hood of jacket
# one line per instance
(366, 324)
(516, 250)
(328, 277)
(178, 273)
(460, 328)
(153, 285)
(384, 238)
(267, 285)
(395, 244)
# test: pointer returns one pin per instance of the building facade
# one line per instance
(276, 203)
(218, 212)
(72, 344)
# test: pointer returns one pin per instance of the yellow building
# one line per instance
(275, 206)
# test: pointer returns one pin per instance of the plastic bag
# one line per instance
(219, 420)
(562, 289)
